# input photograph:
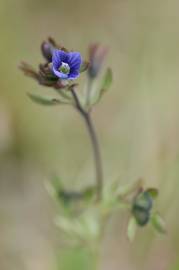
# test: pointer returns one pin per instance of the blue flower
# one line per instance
(66, 65)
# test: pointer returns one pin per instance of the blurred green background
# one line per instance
(137, 123)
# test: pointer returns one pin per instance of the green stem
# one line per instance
(94, 143)
(97, 155)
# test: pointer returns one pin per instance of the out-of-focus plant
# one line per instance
(84, 214)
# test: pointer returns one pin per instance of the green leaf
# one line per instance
(84, 66)
(158, 223)
(54, 187)
(44, 100)
(131, 229)
(56, 181)
(106, 83)
(153, 192)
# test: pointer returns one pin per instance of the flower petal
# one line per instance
(74, 60)
(58, 57)
(73, 75)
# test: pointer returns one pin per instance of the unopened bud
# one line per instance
(97, 54)
(47, 49)
(142, 207)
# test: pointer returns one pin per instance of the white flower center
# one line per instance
(64, 68)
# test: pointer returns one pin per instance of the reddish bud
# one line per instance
(97, 54)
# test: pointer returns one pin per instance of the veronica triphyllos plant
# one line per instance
(84, 214)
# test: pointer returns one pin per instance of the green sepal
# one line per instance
(158, 223)
(131, 229)
(153, 192)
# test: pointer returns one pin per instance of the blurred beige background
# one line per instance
(137, 123)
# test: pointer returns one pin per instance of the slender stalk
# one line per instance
(88, 92)
(94, 143)
(97, 155)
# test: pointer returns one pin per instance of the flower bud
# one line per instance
(47, 49)
(143, 201)
(142, 217)
(142, 207)
(97, 54)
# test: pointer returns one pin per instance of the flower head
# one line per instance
(66, 65)
(60, 66)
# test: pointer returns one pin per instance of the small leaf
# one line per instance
(44, 100)
(54, 187)
(107, 81)
(158, 223)
(57, 183)
(153, 192)
(131, 229)
(84, 66)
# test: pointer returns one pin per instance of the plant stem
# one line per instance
(97, 155)
(94, 143)
(88, 92)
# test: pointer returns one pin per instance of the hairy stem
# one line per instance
(94, 143)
